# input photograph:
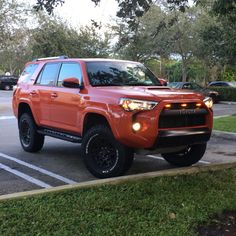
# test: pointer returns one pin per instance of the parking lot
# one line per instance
(59, 162)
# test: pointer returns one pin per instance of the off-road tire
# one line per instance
(186, 157)
(30, 139)
(103, 155)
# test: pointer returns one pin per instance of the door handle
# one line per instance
(54, 95)
(33, 93)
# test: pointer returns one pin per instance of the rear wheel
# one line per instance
(30, 139)
(103, 155)
(186, 157)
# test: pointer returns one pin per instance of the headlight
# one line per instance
(209, 102)
(136, 105)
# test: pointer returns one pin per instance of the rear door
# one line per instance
(65, 111)
(42, 92)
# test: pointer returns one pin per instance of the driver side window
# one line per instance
(69, 70)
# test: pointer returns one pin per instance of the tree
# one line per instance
(216, 46)
(146, 40)
(54, 37)
(137, 8)
(13, 35)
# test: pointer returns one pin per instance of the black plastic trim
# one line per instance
(174, 138)
(60, 135)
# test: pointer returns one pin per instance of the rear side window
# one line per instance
(49, 74)
(28, 72)
(69, 70)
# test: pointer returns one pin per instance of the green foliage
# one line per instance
(54, 37)
(226, 93)
(196, 72)
(225, 8)
(13, 36)
(161, 206)
(228, 76)
(155, 66)
(174, 71)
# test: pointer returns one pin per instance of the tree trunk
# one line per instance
(184, 71)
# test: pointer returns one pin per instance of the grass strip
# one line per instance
(160, 206)
(225, 124)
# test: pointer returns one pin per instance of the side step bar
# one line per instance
(60, 135)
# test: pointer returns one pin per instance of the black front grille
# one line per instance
(177, 116)
(177, 121)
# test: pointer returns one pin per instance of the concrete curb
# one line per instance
(227, 102)
(225, 135)
(122, 179)
(217, 117)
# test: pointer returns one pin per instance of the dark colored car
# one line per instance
(196, 87)
(7, 82)
(222, 84)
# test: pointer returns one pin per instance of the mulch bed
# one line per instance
(221, 225)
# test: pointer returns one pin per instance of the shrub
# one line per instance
(226, 93)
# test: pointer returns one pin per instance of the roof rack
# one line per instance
(51, 58)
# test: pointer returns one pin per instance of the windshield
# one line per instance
(117, 73)
(173, 84)
(196, 86)
(233, 84)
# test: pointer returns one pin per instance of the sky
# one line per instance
(80, 12)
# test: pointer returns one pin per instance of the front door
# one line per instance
(65, 110)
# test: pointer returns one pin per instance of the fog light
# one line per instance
(136, 126)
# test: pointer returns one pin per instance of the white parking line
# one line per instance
(24, 176)
(7, 117)
(41, 170)
(162, 159)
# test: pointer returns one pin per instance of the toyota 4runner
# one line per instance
(114, 109)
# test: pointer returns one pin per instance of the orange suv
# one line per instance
(114, 108)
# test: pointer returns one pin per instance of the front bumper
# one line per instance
(164, 128)
(182, 137)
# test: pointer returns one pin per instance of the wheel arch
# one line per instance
(25, 108)
(91, 119)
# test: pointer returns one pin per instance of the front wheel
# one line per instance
(103, 155)
(187, 157)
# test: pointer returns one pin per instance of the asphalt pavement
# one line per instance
(59, 162)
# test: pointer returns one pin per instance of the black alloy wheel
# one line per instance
(31, 140)
(103, 155)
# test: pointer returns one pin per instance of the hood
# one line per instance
(157, 93)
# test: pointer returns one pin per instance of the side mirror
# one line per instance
(71, 83)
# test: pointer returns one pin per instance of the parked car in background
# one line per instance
(196, 87)
(7, 82)
(222, 84)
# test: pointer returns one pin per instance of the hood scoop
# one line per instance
(159, 87)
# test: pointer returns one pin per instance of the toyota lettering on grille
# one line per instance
(187, 112)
